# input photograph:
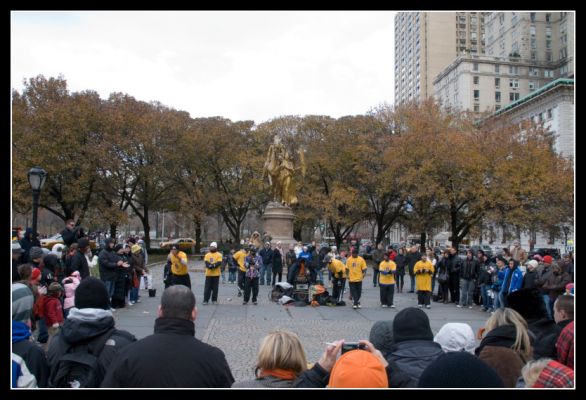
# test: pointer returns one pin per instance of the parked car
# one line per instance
(51, 241)
(184, 244)
(543, 251)
(486, 248)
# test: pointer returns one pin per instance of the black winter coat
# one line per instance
(170, 358)
(412, 356)
(108, 261)
(470, 269)
(79, 263)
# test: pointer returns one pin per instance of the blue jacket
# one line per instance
(516, 280)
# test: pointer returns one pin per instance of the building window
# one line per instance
(496, 69)
(513, 70)
(532, 16)
(476, 108)
(548, 44)
(473, 36)
(531, 85)
(563, 52)
(534, 55)
(548, 56)
(475, 80)
(476, 95)
(532, 30)
(548, 73)
(513, 83)
(533, 71)
(533, 43)
(548, 17)
(497, 82)
(475, 67)
(497, 97)
(497, 107)
(513, 96)
(549, 114)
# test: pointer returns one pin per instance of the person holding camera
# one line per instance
(71, 234)
(423, 271)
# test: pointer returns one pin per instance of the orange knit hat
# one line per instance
(358, 369)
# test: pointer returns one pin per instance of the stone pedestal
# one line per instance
(278, 223)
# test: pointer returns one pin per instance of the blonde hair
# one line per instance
(532, 370)
(282, 350)
(508, 316)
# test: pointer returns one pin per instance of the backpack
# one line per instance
(80, 366)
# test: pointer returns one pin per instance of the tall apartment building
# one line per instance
(542, 38)
(483, 83)
(426, 42)
(524, 52)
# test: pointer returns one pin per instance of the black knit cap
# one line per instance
(411, 324)
(459, 369)
(527, 302)
(92, 293)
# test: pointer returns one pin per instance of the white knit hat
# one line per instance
(455, 336)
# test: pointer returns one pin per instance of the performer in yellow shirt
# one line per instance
(338, 271)
(423, 271)
(213, 263)
(179, 272)
(356, 267)
(386, 281)
(240, 256)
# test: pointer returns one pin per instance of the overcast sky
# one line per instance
(240, 65)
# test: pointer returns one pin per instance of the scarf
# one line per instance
(279, 373)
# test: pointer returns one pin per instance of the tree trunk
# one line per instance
(197, 222)
(423, 240)
(147, 228)
(113, 227)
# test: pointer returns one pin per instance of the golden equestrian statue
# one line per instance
(282, 173)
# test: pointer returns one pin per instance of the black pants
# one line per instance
(423, 297)
(211, 288)
(241, 276)
(356, 291)
(454, 285)
(387, 294)
(375, 273)
(181, 280)
(338, 292)
(250, 284)
(275, 273)
(400, 279)
(443, 291)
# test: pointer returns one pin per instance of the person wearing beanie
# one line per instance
(89, 322)
(53, 311)
(79, 261)
(50, 267)
(36, 255)
(213, 263)
(512, 281)
(36, 276)
(27, 243)
(455, 336)
(459, 369)
(109, 262)
(554, 285)
(358, 369)
(27, 356)
(529, 304)
(414, 347)
(381, 336)
(530, 275)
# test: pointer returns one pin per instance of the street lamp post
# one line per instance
(36, 178)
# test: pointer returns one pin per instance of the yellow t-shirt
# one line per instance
(239, 256)
(387, 266)
(355, 266)
(337, 266)
(215, 259)
(177, 267)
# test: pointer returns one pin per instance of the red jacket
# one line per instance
(53, 311)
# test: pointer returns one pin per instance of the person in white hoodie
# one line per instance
(455, 336)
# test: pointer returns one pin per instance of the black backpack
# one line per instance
(80, 366)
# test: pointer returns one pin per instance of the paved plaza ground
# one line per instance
(238, 329)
